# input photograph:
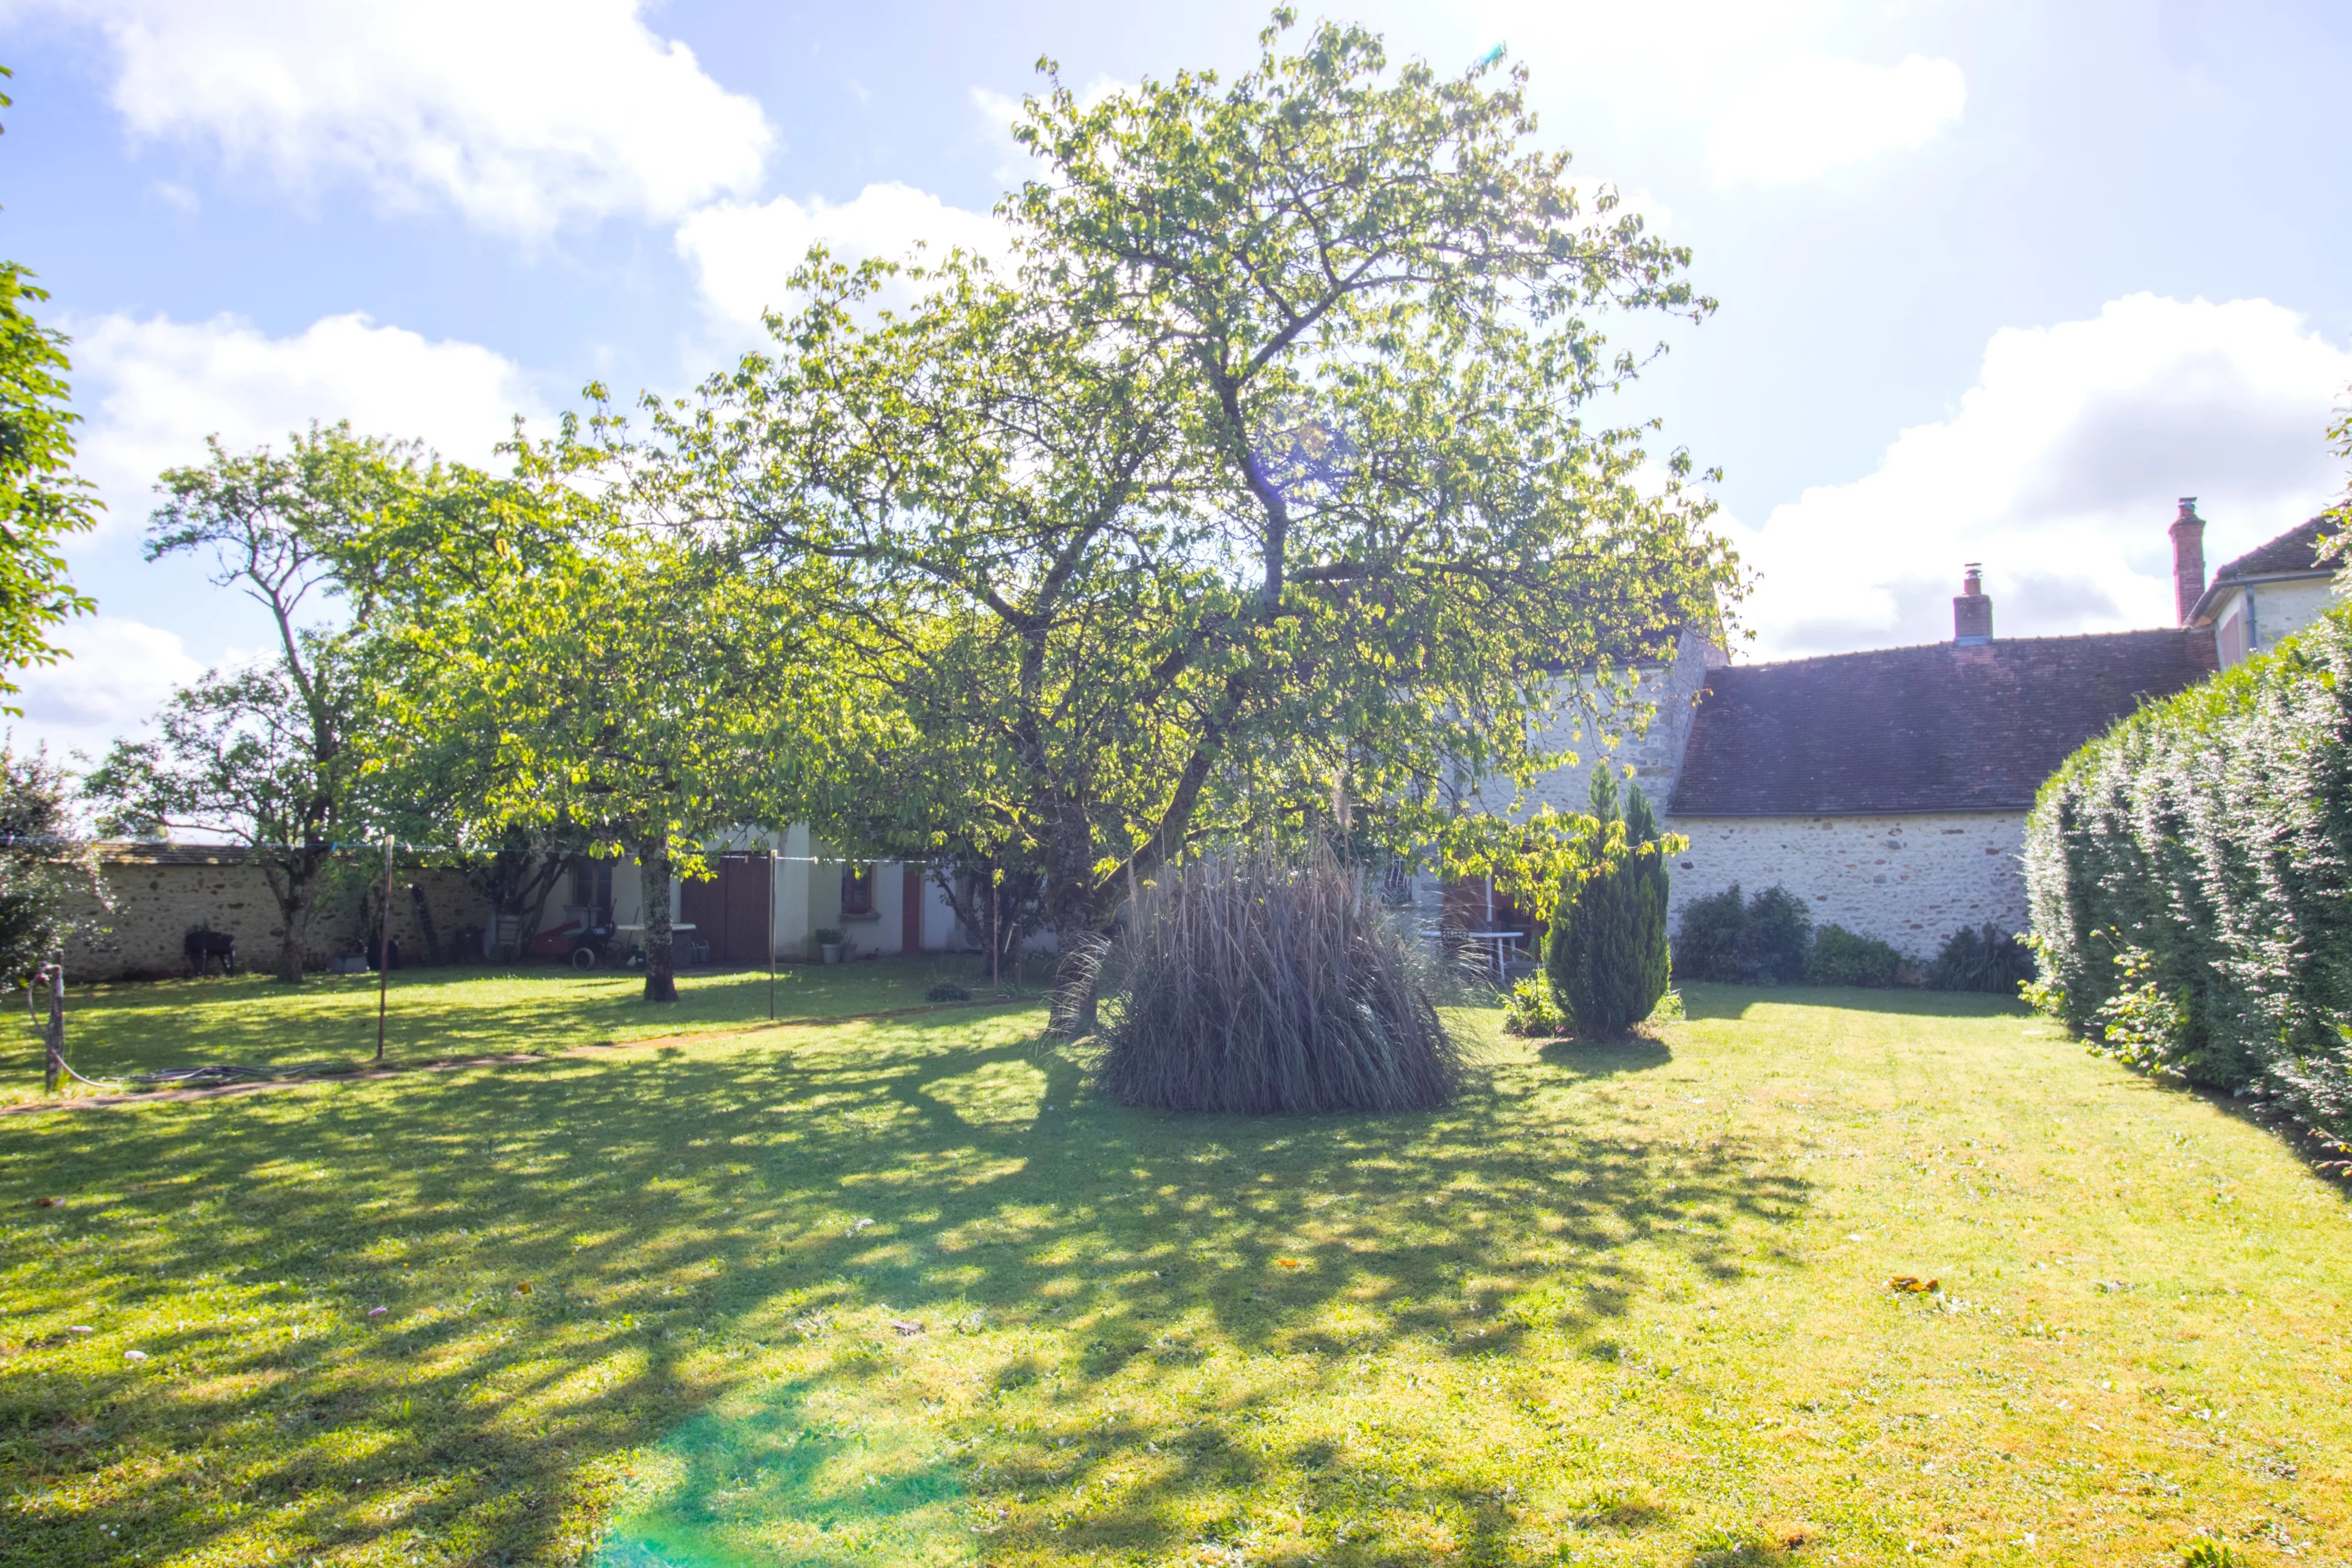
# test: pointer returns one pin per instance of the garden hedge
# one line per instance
(2190, 875)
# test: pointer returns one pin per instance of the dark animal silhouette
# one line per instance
(202, 947)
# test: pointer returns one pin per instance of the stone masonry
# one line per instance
(1910, 880)
(161, 892)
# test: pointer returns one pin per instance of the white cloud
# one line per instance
(1774, 92)
(522, 114)
(741, 252)
(1808, 116)
(120, 673)
(2058, 470)
(152, 389)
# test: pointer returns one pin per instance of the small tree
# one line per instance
(322, 537)
(1607, 957)
(42, 874)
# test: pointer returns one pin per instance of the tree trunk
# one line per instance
(653, 871)
(294, 910)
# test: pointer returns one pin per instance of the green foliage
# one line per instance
(1530, 1012)
(49, 886)
(41, 499)
(1712, 944)
(1607, 957)
(2190, 875)
(1257, 494)
(1842, 957)
(329, 537)
(583, 673)
(1252, 984)
(1988, 960)
(2211, 1554)
(1767, 940)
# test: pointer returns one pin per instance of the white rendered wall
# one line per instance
(2283, 609)
(1909, 880)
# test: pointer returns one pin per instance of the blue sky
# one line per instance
(1997, 281)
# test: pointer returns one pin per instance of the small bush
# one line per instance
(1765, 941)
(1607, 957)
(1245, 984)
(1982, 960)
(1842, 957)
(1529, 1011)
(1779, 937)
(1712, 943)
(947, 991)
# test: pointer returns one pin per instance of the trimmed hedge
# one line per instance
(2190, 879)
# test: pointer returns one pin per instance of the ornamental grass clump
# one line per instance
(1247, 983)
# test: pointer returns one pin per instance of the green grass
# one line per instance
(1621, 1305)
(439, 1013)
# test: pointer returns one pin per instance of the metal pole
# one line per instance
(383, 953)
(771, 933)
(53, 1039)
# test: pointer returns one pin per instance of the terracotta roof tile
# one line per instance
(1933, 729)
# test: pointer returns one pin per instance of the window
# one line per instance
(857, 893)
(592, 884)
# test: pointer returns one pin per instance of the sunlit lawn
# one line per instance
(330, 1020)
(904, 1292)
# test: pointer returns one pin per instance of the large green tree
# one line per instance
(1261, 478)
(41, 498)
(608, 685)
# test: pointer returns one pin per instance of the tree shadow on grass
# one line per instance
(675, 1219)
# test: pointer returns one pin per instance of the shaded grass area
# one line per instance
(906, 1293)
(330, 1019)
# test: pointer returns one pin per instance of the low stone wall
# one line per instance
(1909, 880)
(161, 892)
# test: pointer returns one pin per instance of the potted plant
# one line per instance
(831, 941)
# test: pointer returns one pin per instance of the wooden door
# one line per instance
(743, 889)
(700, 906)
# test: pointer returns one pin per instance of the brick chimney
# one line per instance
(1972, 610)
(2188, 558)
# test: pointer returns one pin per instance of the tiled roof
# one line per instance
(2295, 550)
(1936, 728)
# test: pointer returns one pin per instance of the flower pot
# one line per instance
(830, 952)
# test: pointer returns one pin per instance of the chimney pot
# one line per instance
(2187, 558)
(1972, 610)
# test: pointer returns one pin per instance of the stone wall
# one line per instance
(1908, 879)
(161, 892)
(1667, 694)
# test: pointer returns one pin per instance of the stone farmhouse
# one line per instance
(1889, 789)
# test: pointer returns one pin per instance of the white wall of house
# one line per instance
(1667, 694)
(2259, 614)
(1909, 880)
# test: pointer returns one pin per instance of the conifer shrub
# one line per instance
(1989, 959)
(1844, 957)
(2190, 875)
(1766, 941)
(1606, 955)
(1247, 983)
